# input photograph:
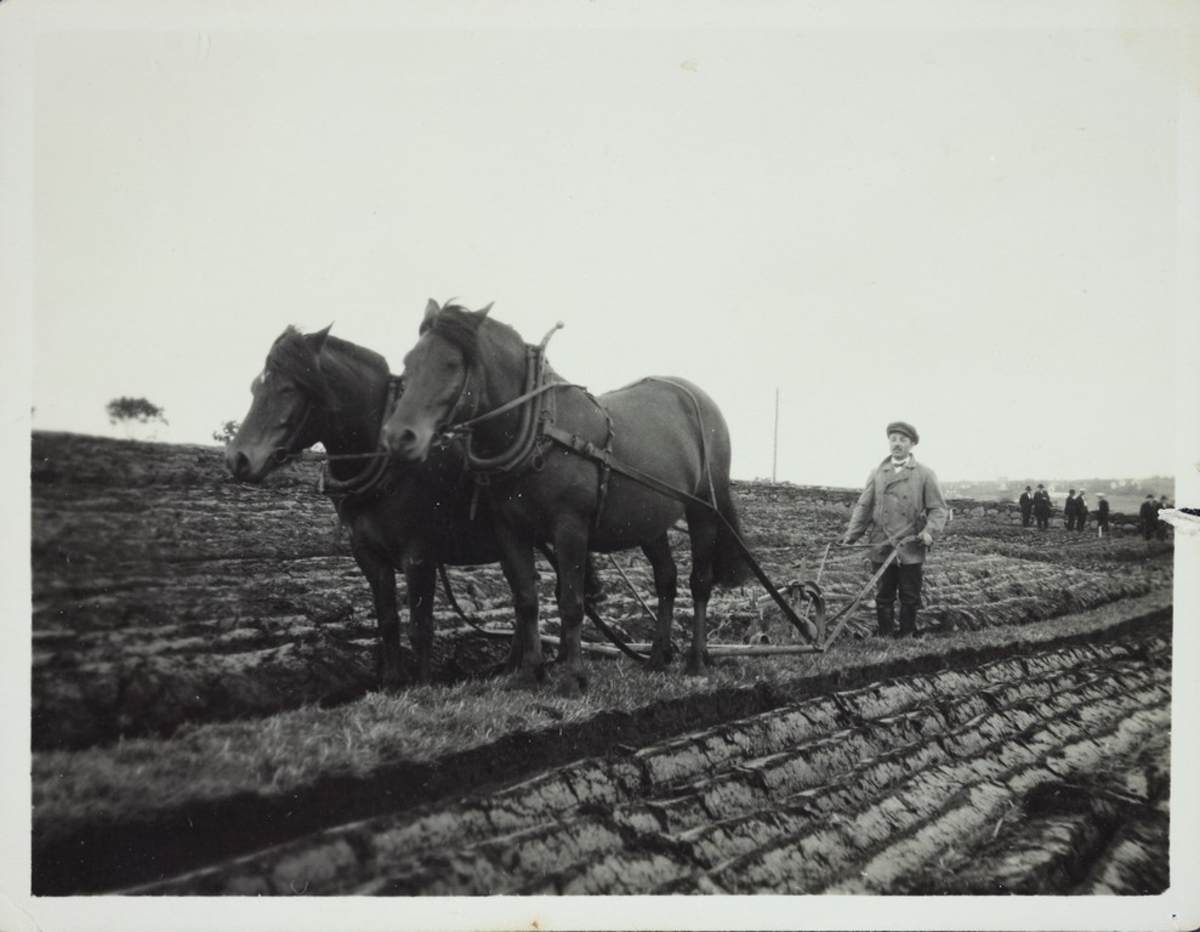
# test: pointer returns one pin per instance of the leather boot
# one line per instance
(908, 621)
(886, 617)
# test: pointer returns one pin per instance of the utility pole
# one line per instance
(775, 446)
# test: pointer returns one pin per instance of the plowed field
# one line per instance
(1020, 746)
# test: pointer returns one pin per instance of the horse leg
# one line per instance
(382, 579)
(593, 588)
(658, 552)
(570, 547)
(421, 581)
(702, 530)
(525, 658)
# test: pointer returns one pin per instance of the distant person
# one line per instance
(1041, 507)
(1069, 510)
(904, 508)
(1081, 510)
(1160, 526)
(1149, 516)
(1101, 516)
(1026, 502)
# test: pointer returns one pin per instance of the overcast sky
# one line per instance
(966, 222)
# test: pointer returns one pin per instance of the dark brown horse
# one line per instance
(468, 368)
(318, 388)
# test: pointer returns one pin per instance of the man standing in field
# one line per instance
(1026, 502)
(1069, 510)
(1041, 507)
(1102, 516)
(1149, 515)
(903, 507)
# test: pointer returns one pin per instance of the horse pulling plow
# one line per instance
(499, 458)
(621, 435)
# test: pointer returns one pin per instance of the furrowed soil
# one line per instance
(1021, 745)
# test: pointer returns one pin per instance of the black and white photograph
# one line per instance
(498, 464)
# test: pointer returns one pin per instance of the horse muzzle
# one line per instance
(245, 468)
(405, 443)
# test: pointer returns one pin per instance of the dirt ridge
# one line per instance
(167, 596)
(506, 762)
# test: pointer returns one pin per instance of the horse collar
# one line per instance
(369, 480)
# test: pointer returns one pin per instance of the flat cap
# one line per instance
(901, 427)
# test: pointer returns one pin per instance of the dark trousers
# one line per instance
(903, 579)
(1026, 518)
(1043, 522)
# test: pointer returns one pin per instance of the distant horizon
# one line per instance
(1167, 477)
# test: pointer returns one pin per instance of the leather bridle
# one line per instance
(289, 449)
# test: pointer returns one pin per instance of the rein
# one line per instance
(536, 411)
(467, 426)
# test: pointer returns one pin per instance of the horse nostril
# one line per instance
(394, 440)
(238, 464)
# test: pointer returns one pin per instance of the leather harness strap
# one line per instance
(369, 480)
(526, 451)
(588, 449)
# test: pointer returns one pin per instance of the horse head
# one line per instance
(281, 422)
(443, 384)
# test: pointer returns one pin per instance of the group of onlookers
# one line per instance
(1035, 506)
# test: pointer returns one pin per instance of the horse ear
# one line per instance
(318, 342)
(484, 311)
(431, 308)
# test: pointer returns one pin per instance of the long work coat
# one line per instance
(899, 503)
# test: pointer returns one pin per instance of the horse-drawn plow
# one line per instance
(177, 614)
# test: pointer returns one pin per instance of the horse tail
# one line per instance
(729, 561)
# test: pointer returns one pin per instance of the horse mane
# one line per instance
(460, 327)
(298, 356)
